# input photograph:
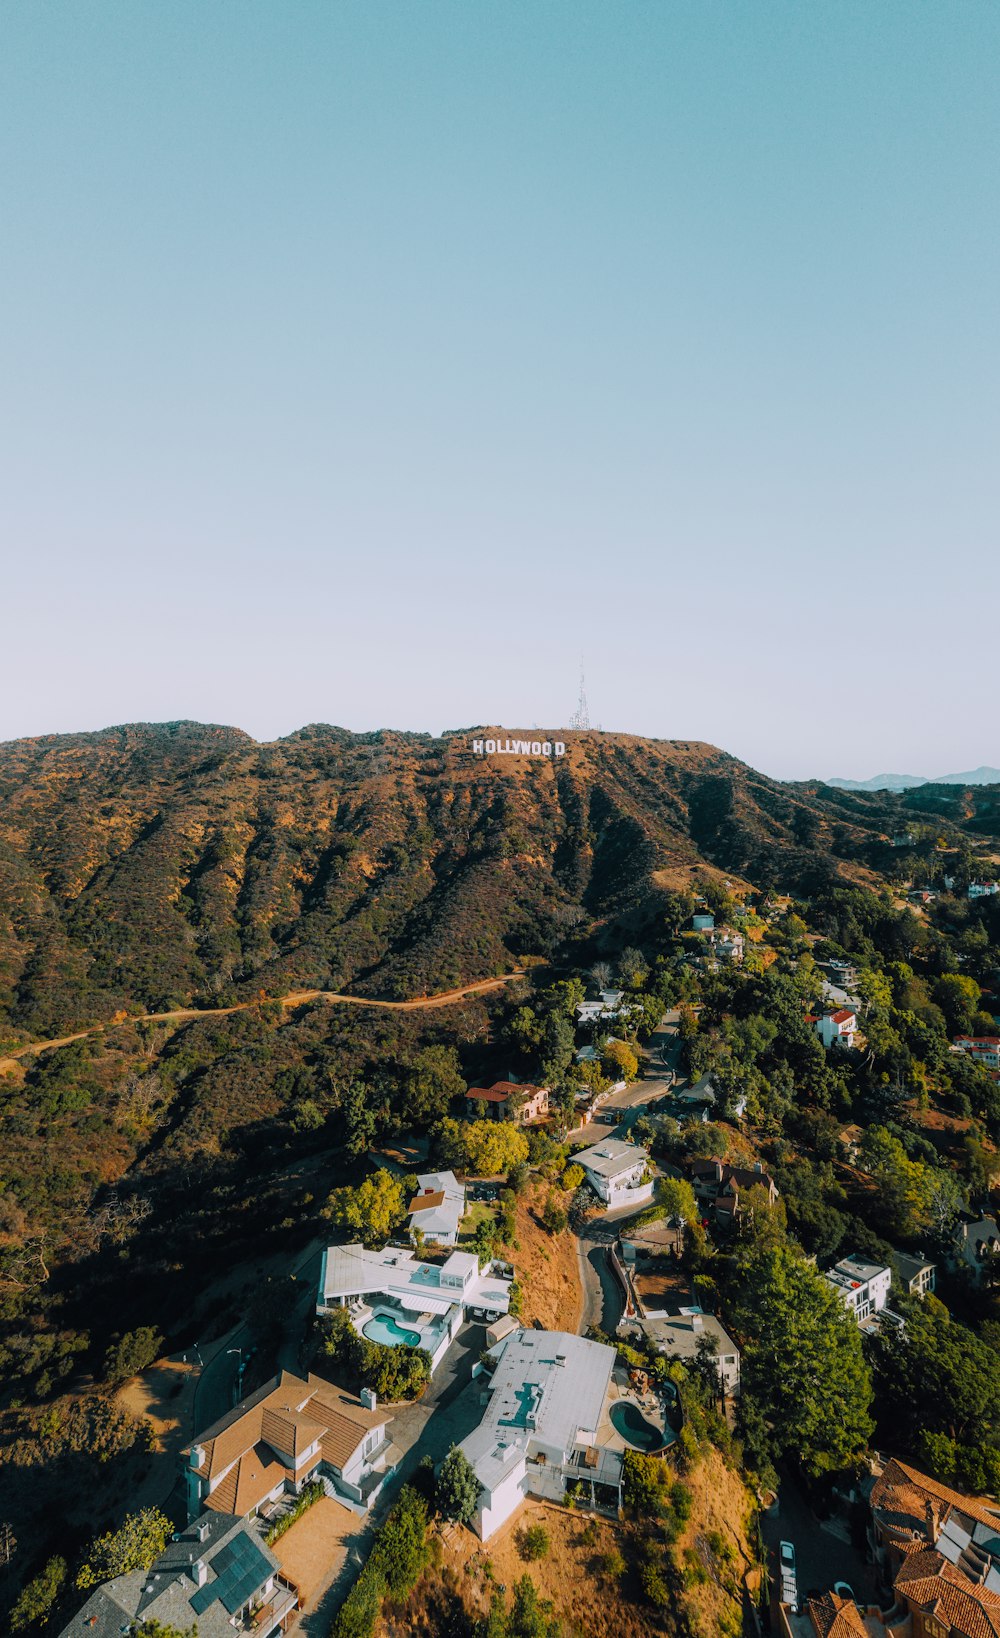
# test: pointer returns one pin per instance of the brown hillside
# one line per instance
(153, 866)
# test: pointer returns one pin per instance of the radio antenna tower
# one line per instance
(580, 720)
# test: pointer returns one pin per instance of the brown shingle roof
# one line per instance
(426, 1202)
(944, 1592)
(243, 1451)
(903, 1492)
(836, 1617)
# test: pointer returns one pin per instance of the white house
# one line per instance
(983, 890)
(863, 1286)
(615, 1171)
(608, 1005)
(985, 1049)
(840, 1027)
(393, 1299)
(545, 1402)
(287, 1434)
(437, 1210)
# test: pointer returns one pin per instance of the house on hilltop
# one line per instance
(507, 1100)
(616, 1171)
(917, 1275)
(436, 1211)
(215, 1576)
(292, 1432)
(837, 1028)
(862, 1286)
(976, 1243)
(719, 1186)
(393, 1298)
(541, 1428)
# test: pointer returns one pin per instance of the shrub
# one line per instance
(533, 1542)
(307, 1495)
(457, 1487)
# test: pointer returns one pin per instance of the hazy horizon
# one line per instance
(391, 358)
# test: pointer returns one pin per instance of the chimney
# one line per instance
(758, 1167)
(697, 1322)
(931, 1519)
(369, 1398)
(197, 1455)
(199, 1572)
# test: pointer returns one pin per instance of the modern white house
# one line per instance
(616, 1172)
(862, 1285)
(840, 1026)
(544, 1404)
(438, 1208)
(983, 890)
(395, 1299)
(289, 1433)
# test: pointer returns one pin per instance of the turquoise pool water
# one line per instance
(383, 1328)
(628, 1420)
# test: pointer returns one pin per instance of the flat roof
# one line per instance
(611, 1156)
(548, 1387)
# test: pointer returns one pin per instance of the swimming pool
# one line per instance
(628, 1420)
(383, 1328)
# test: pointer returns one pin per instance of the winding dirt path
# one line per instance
(297, 998)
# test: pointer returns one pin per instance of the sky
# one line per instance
(384, 363)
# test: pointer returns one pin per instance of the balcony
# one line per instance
(265, 1617)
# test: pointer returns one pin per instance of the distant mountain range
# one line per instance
(909, 782)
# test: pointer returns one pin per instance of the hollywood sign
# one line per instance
(518, 747)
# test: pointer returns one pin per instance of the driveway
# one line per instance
(603, 1303)
(823, 1551)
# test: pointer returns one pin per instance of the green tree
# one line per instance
(457, 1487)
(806, 1387)
(38, 1597)
(677, 1199)
(433, 1080)
(938, 1394)
(371, 1210)
(492, 1147)
(357, 1108)
(619, 1061)
(133, 1546)
(132, 1353)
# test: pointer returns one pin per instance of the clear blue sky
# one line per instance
(371, 362)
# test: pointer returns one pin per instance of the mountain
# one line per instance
(156, 865)
(881, 782)
(905, 782)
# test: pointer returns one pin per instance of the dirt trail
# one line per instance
(297, 998)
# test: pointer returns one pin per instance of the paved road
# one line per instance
(823, 1553)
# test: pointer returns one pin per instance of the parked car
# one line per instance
(786, 1556)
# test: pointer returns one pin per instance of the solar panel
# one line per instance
(240, 1569)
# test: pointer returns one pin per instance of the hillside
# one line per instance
(154, 866)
